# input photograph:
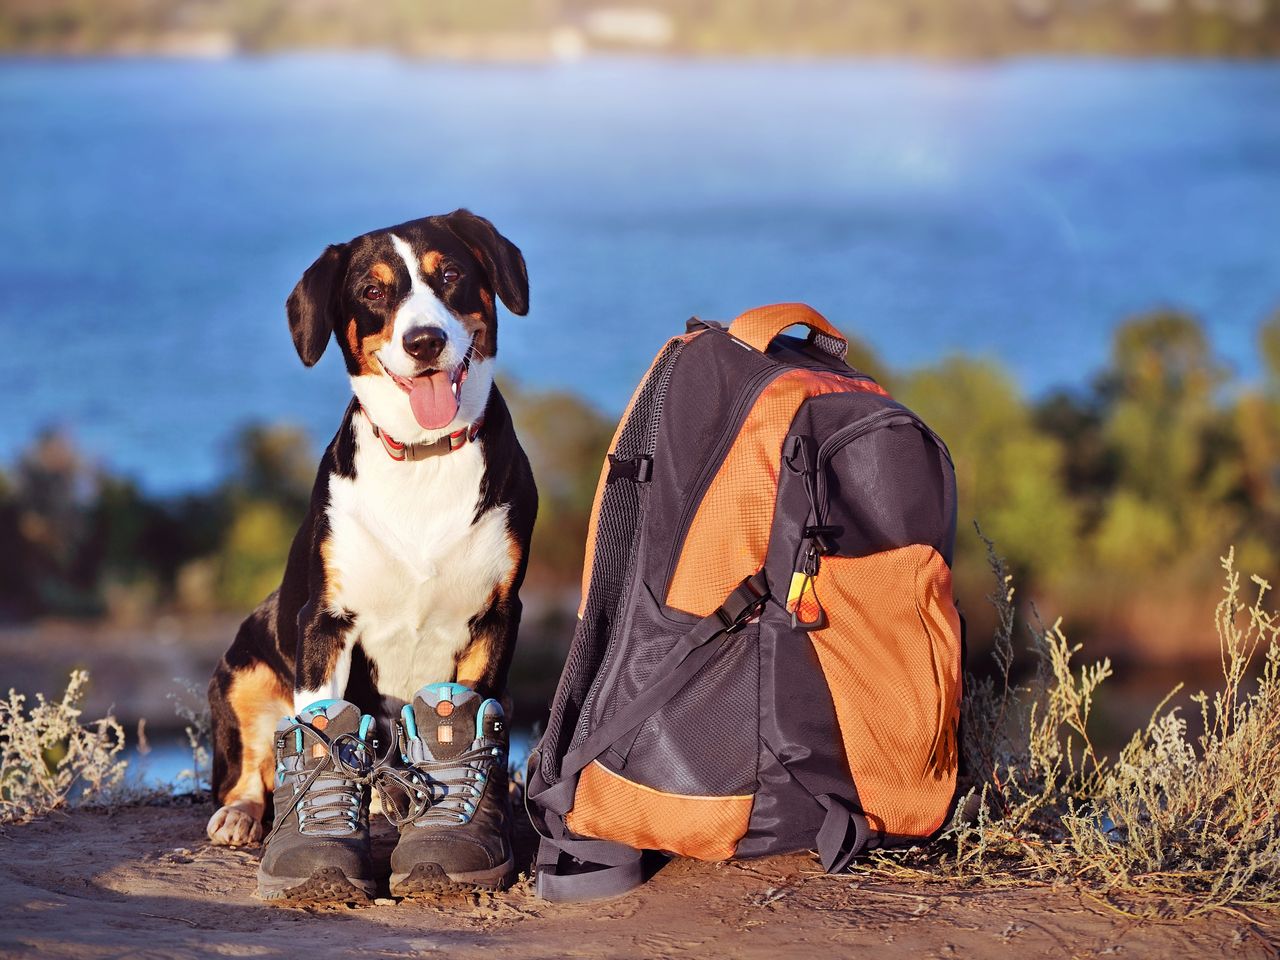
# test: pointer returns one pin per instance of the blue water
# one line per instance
(168, 763)
(155, 214)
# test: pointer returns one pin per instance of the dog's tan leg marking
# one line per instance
(475, 666)
(332, 578)
(258, 701)
(473, 663)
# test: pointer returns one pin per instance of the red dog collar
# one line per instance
(422, 451)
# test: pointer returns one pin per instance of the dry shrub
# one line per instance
(191, 704)
(1201, 816)
(1193, 820)
(49, 759)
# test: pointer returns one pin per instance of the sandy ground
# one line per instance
(142, 882)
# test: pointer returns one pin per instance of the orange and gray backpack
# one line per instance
(768, 654)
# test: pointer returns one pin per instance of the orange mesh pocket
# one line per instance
(891, 657)
(729, 535)
(608, 806)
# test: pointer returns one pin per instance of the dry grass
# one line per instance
(191, 705)
(1187, 821)
(1173, 826)
(53, 761)
(50, 760)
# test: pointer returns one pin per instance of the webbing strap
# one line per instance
(607, 868)
(692, 654)
(689, 654)
(843, 835)
(566, 885)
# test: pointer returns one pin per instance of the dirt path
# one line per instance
(143, 883)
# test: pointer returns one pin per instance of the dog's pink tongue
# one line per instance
(431, 397)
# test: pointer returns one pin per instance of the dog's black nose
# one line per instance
(424, 344)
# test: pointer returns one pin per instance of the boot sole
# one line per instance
(429, 879)
(326, 885)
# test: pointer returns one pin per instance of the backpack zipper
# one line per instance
(746, 398)
(815, 539)
(847, 434)
(941, 745)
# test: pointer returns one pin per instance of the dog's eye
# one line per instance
(450, 274)
(371, 292)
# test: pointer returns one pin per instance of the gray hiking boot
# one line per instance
(451, 804)
(319, 847)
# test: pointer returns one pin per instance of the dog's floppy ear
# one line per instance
(501, 258)
(313, 305)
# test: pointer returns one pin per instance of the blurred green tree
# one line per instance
(251, 561)
(1269, 347)
(1256, 424)
(52, 489)
(566, 440)
(1160, 423)
(267, 496)
(1160, 392)
(1010, 474)
(1075, 418)
(864, 359)
(275, 463)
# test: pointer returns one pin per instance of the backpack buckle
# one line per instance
(638, 469)
(822, 538)
(746, 601)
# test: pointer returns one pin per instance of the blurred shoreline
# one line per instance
(1111, 502)
(196, 52)
(535, 31)
(140, 672)
(468, 52)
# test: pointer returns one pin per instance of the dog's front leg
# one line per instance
(325, 641)
(484, 663)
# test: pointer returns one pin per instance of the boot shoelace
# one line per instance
(436, 791)
(330, 808)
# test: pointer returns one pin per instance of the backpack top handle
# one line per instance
(758, 327)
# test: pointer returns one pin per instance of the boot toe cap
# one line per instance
(452, 854)
(304, 860)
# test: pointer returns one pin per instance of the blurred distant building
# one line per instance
(639, 27)
(1033, 9)
(1248, 11)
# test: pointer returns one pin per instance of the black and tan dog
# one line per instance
(407, 568)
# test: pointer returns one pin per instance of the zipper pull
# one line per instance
(802, 598)
(818, 540)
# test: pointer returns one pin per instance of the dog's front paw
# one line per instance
(234, 826)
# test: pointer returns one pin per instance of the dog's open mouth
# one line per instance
(435, 394)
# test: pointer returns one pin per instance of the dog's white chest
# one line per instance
(405, 558)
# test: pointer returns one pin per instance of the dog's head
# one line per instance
(412, 308)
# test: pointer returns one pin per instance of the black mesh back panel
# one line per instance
(616, 523)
